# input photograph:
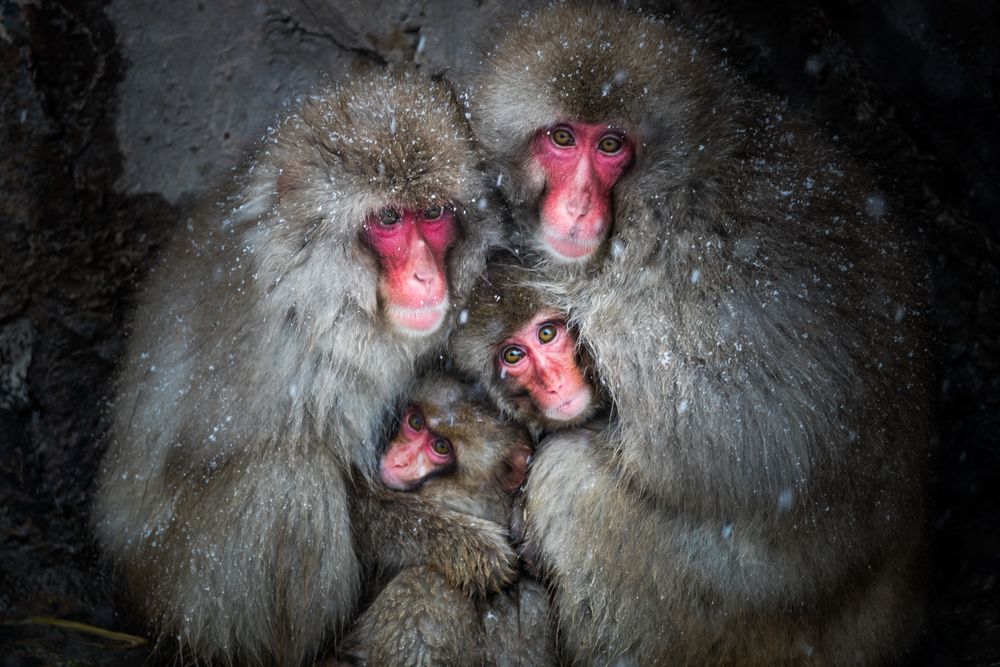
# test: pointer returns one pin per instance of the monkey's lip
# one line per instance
(392, 480)
(567, 247)
(569, 409)
(418, 320)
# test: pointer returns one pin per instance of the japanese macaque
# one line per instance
(751, 311)
(269, 348)
(452, 451)
(513, 340)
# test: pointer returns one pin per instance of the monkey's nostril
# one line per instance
(578, 208)
(426, 278)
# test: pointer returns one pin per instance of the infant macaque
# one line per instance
(452, 451)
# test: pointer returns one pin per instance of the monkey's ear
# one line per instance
(517, 467)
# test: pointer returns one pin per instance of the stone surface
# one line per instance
(203, 79)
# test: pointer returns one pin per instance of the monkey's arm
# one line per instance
(400, 530)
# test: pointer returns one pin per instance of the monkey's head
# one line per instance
(518, 344)
(382, 169)
(587, 107)
(450, 446)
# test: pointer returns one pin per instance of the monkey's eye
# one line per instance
(441, 447)
(512, 354)
(433, 213)
(388, 217)
(562, 137)
(547, 332)
(610, 144)
(415, 420)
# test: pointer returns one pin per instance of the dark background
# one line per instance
(116, 114)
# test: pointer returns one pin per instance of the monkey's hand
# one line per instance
(475, 556)
(401, 530)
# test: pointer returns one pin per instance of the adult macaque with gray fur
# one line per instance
(269, 346)
(756, 499)
(515, 341)
(453, 452)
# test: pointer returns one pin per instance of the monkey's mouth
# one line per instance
(569, 409)
(418, 320)
(567, 247)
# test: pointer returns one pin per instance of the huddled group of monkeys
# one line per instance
(615, 283)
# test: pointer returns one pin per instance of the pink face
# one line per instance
(411, 246)
(416, 454)
(581, 162)
(541, 359)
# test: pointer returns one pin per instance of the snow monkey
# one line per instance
(269, 347)
(513, 340)
(754, 319)
(452, 451)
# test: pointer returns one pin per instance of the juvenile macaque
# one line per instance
(268, 350)
(756, 498)
(452, 452)
(518, 344)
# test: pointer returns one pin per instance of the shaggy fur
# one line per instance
(260, 372)
(500, 304)
(756, 499)
(417, 618)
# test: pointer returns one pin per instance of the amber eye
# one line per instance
(441, 447)
(415, 421)
(388, 217)
(547, 332)
(512, 354)
(433, 213)
(610, 144)
(562, 137)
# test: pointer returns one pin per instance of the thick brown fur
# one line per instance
(417, 618)
(754, 318)
(503, 302)
(260, 371)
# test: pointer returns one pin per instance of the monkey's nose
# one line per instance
(399, 459)
(424, 269)
(578, 205)
(550, 379)
(426, 284)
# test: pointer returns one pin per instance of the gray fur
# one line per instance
(417, 617)
(260, 371)
(501, 303)
(756, 498)
(418, 620)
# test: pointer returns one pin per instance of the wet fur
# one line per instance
(756, 498)
(503, 302)
(416, 617)
(259, 374)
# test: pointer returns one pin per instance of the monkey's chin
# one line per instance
(419, 321)
(570, 410)
(566, 249)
